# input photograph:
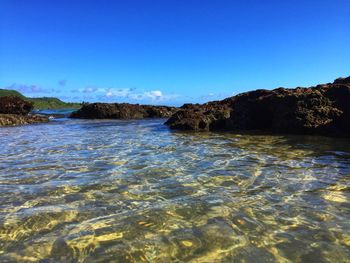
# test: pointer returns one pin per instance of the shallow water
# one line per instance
(133, 191)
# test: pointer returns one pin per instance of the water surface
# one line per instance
(134, 191)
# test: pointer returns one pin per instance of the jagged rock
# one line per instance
(14, 105)
(323, 109)
(122, 111)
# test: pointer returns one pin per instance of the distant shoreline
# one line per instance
(42, 103)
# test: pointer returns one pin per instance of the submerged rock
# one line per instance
(52, 115)
(122, 111)
(15, 119)
(323, 109)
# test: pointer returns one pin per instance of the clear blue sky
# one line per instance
(170, 51)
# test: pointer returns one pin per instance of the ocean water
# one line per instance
(134, 191)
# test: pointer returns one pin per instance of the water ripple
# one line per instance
(133, 191)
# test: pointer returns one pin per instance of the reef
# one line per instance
(122, 111)
(322, 109)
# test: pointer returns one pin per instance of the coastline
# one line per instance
(318, 110)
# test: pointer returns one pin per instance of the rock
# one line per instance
(122, 111)
(200, 117)
(323, 109)
(14, 105)
(14, 111)
(62, 252)
(15, 119)
(342, 80)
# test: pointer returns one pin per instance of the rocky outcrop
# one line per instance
(15, 111)
(209, 116)
(323, 109)
(122, 111)
(15, 105)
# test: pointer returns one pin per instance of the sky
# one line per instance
(170, 51)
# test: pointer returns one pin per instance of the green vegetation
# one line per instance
(52, 103)
(42, 103)
(10, 92)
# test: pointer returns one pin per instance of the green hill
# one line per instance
(42, 103)
(11, 92)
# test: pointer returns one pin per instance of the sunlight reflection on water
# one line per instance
(133, 191)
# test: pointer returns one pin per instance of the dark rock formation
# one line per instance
(209, 116)
(122, 111)
(14, 105)
(342, 80)
(14, 111)
(324, 109)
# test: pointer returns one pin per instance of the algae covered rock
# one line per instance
(15, 119)
(122, 111)
(14, 105)
(323, 109)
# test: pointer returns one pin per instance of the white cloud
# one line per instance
(109, 94)
(89, 90)
(27, 88)
(127, 94)
(154, 95)
(116, 93)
